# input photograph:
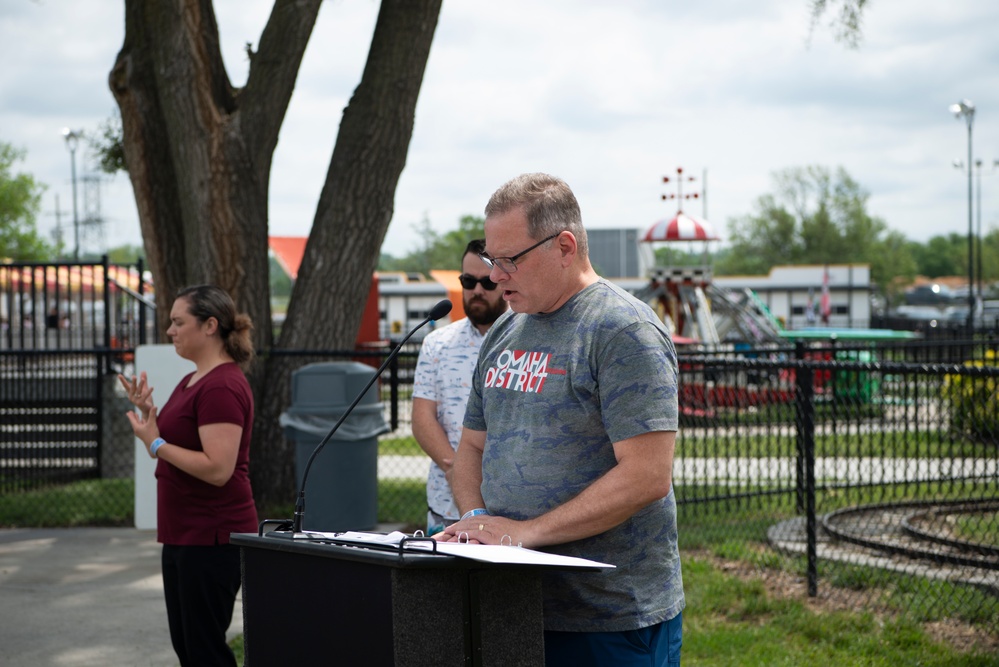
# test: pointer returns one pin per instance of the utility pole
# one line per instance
(72, 141)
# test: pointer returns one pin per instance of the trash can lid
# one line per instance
(358, 426)
(331, 384)
(335, 411)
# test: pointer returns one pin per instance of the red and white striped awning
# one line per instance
(681, 228)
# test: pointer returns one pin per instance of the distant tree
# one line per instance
(815, 217)
(106, 149)
(20, 200)
(280, 282)
(990, 263)
(759, 241)
(125, 254)
(846, 23)
(942, 256)
(387, 262)
(438, 251)
(896, 266)
(682, 254)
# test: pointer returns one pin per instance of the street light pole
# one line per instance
(72, 141)
(966, 108)
(978, 230)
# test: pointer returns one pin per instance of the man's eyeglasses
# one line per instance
(469, 282)
(509, 264)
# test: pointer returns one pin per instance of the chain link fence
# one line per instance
(871, 477)
(869, 473)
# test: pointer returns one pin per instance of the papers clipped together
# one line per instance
(487, 553)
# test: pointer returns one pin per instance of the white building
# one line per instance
(788, 290)
(404, 301)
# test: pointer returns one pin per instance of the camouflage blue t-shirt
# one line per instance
(553, 392)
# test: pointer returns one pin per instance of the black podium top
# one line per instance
(387, 556)
(398, 550)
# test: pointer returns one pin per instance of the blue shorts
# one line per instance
(654, 646)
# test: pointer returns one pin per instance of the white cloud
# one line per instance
(610, 96)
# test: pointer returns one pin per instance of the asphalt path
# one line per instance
(81, 597)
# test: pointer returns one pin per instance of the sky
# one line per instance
(611, 97)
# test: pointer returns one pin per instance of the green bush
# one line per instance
(974, 402)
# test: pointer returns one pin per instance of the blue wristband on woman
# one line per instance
(476, 512)
(155, 445)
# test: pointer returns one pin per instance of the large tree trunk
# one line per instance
(354, 212)
(199, 155)
(199, 151)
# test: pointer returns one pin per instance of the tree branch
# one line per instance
(273, 73)
(356, 204)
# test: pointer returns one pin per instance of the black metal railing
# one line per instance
(75, 306)
(835, 460)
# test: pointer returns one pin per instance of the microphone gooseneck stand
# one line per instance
(441, 309)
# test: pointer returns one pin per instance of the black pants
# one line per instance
(200, 585)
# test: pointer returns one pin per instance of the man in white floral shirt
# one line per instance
(443, 378)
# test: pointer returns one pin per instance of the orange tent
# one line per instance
(449, 279)
(288, 250)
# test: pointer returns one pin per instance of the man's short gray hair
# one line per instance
(548, 203)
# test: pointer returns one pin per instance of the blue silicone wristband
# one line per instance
(476, 512)
(155, 445)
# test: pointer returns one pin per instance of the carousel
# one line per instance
(696, 311)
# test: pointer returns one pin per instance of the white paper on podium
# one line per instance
(487, 553)
(495, 553)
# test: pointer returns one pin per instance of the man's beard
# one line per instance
(481, 313)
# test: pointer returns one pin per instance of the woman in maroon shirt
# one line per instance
(201, 438)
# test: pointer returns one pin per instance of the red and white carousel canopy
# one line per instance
(681, 228)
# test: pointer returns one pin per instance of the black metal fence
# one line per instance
(75, 306)
(64, 330)
(869, 470)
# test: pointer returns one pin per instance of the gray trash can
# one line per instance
(342, 489)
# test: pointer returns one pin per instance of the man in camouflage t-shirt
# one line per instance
(569, 435)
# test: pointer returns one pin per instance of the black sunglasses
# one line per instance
(470, 281)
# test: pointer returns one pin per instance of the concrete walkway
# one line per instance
(76, 597)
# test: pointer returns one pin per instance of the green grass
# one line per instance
(406, 446)
(92, 502)
(403, 501)
(738, 532)
(877, 444)
(783, 413)
(720, 511)
(730, 621)
(978, 528)
(399, 502)
(236, 644)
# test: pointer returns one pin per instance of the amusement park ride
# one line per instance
(684, 297)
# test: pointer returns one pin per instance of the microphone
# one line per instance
(437, 312)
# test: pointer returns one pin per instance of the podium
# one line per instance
(313, 603)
